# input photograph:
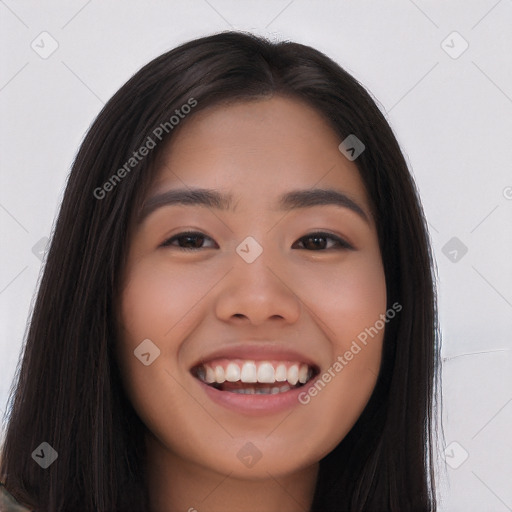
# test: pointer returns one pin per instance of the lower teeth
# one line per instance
(261, 391)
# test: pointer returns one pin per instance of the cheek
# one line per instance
(350, 302)
(154, 305)
(148, 310)
(157, 297)
(348, 298)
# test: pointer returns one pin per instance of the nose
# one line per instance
(257, 292)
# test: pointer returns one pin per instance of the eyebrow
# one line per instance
(209, 198)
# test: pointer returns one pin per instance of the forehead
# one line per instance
(262, 124)
(257, 149)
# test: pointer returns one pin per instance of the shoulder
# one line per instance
(8, 503)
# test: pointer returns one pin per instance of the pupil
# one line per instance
(316, 241)
(195, 240)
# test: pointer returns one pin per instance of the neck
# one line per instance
(178, 485)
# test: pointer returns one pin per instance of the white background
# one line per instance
(452, 117)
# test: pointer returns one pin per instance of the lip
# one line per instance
(255, 405)
(260, 351)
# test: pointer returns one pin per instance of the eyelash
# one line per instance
(342, 244)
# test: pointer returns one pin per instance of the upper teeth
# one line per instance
(255, 371)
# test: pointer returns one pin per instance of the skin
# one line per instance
(316, 300)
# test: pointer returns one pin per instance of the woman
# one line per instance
(195, 345)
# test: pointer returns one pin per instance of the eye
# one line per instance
(312, 241)
(316, 241)
(191, 238)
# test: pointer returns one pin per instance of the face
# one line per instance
(269, 301)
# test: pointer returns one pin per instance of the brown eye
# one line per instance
(318, 241)
(187, 241)
(193, 241)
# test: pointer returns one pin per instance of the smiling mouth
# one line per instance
(254, 377)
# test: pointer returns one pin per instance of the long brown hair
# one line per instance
(68, 391)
